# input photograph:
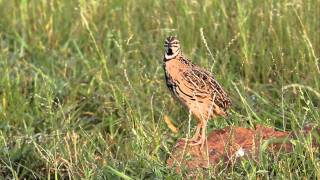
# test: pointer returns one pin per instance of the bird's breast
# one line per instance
(174, 69)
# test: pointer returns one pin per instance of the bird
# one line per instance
(195, 88)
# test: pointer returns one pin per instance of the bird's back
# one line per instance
(196, 88)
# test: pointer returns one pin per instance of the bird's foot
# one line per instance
(196, 143)
(192, 140)
(186, 140)
(200, 142)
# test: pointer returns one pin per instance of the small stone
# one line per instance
(240, 152)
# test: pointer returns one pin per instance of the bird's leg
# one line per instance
(203, 134)
(203, 127)
(196, 134)
(195, 137)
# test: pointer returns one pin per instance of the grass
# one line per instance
(82, 92)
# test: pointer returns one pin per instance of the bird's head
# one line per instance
(171, 47)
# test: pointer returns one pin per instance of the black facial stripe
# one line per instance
(171, 45)
(171, 39)
(170, 51)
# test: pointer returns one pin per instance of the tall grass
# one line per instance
(82, 91)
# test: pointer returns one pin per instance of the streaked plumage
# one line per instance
(194, 87)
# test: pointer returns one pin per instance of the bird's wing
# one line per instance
(204, 86)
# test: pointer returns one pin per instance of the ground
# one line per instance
(82, 91)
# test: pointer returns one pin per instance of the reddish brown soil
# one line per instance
(227, 145)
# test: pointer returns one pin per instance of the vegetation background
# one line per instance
(82, 91)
